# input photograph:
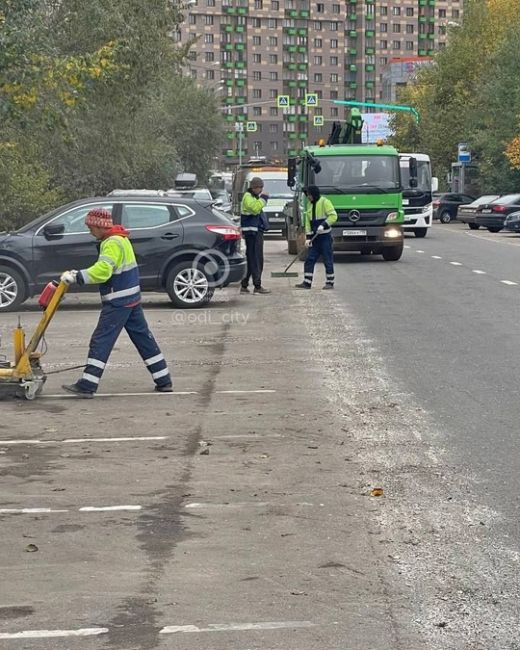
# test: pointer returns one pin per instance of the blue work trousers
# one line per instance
(321, 247)
(111, 321)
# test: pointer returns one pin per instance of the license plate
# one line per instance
(354, 233)
(487, 211)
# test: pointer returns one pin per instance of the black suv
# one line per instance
(182, 246)
(445, 206)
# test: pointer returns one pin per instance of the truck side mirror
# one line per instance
(412, 165)
(291, 172)
(435, 184)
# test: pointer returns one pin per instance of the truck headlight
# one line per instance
(393, 216)
(392, 233)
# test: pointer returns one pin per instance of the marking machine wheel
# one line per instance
(189, 286)
(12, 289)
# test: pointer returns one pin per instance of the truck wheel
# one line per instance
(494, 229)
(189, 286)
(392, 253)
(12, 289)
(420, 232)
(473, 226)
(445, 217)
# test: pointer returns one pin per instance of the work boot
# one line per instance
(261, 290)
(302, 285)
(78, 391)
(244, 290)
(168, 388)
(328, 286)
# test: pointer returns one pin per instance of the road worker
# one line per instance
(117, 273)
(319, 217)
(254, 223)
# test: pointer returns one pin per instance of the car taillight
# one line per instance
(499, 208)
(228, 233)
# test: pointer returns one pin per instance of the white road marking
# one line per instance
(240, 392)
(478, 272)
(418, 251)
(238, 504)
(456, 263)
(81, 440)
(149, 394)
(509, 282)
(436, 257)
(247, 435)
(406, 246)
(36, 511)
(50, 634)
(236, 627)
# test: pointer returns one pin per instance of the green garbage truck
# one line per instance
(363, 181)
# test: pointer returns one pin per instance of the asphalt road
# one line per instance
(335, 470)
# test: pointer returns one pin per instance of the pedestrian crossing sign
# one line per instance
(283, 101)
(311, 99)
(318, 120)
(251, 127)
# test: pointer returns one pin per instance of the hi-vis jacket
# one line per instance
(116, 271)
(250, 210)
(321, 213)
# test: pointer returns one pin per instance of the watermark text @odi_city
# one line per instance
(210, 317)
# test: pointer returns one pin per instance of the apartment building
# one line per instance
(250, 52)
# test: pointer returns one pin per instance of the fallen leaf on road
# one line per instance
(31, 548)
(205, 452)
(377, 492)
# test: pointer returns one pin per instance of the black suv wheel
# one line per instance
(189, 285)
(12, 289)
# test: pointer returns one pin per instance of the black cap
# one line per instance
(313, 191)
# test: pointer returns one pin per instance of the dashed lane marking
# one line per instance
(406, 246)
(174, 394)
(52, 634)
(436, 257)
(236, 627)
(418, 251)
(456, 263)
(479, 272)
(81, 440)
(509, 283)
(39, 511)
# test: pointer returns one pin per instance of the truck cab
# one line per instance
(363, 182)
(417, 201)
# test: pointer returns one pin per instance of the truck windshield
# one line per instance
(277, 188)
(424, 176)
(353, 173)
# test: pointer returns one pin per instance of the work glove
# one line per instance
(320, 229)
(264, 196)
(308, 243)
(69, 277)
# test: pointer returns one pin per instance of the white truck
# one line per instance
(417, 201)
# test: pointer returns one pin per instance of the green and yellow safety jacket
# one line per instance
(321, 213)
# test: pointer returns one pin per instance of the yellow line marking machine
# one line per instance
(24, 377)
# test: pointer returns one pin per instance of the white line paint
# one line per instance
(406, 246)
(478, 272)
(28, 511)
(52, 634)
(236, 627)
(243, 392)
(81, 440)
(109, 508)
(418, 251)
(509, 282)
(149, 394)
(456, 263)
(237, 504)
(247, 435)
(436, 257)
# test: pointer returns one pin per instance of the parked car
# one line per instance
(445, 206)
(182, 247)
(466, 213)
(199, 193)
(222, 200)
(512, 222)
(493, 215)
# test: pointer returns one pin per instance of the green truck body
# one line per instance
(364, 184)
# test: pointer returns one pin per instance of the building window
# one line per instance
(257, 58)
(210, 74)
(273, 128)
(333, 43)
(256, 22)
(396, 28)
(318, 77)
(383, 60)
(409, 45)
(273, 58)
(336, 9)
(383, 45)
(273, 111)
(455, 13)
(396, 11)
(318, 60)
(318, 42)
(257, 75)
(333, 26)
(275, 5)
(257, 111)
(396, 45)
(320, 8)
(334, 112)
(274, 146)
(273, 76)
(409, 11)
(317, 25)
(383, 28)
(410, 29)
(442, 13)
(208, 20)
(383, 11)
(257, 40)
(257, 93)
(192, 19)
(210, 3)
(273, 93)
(209, 56)
(272, 23)
(259, 4)
(333, 60)
(334, 78)
(273, 41)
(333, 94)
(208, 38)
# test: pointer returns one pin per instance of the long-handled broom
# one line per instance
(284, 273)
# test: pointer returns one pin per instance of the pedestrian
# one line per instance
(254, 223)
(319, 217)
(117, 273)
